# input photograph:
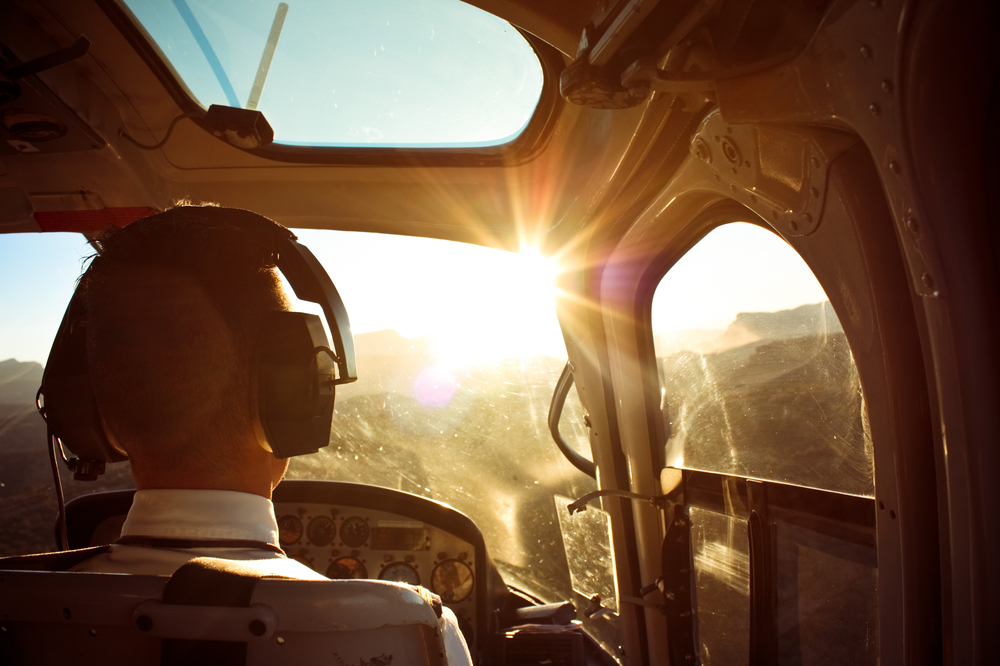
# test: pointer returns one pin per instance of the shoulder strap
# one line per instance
(208, 581)
(59, 561)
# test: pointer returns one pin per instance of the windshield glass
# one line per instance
(458, 352)
(418, 73)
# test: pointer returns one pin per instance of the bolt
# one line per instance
(814, 161)
(927, 280)
(873, 107)
(669, 594)
(866, 51)
(887, 86)
(913, 225)
(702, 151)
(894, 167)
(731, 151)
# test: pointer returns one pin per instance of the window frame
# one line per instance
(528, 144)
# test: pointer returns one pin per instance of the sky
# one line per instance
(735, 268)
(479, 304)
(379, 71)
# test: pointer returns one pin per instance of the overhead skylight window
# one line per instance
(388, 73)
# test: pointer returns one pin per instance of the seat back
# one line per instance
(100, 618)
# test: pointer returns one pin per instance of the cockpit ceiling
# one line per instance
(113, 89)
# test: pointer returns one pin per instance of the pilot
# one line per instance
(175, 302)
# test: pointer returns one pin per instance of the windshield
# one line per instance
(419, 73)
(458, 353)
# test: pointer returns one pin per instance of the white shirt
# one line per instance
(214, 515)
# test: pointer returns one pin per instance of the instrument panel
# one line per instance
(353, 542)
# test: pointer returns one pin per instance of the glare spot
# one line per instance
(435, 386)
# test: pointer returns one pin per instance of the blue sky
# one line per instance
(38, 273)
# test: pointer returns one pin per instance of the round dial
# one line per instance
(321, 531)
(347, 567)
(452, 581)
(400, 572)
(354, 531)
(289, 530)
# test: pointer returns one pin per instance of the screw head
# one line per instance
(886, 86)
(894, 167)
(702, 151)
(913, 225)
(875, 110)
(866, 51)
(927, 280)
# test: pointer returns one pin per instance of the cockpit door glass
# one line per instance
(757, 373)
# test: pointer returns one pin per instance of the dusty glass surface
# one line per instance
(827, 599)
(587, 540)
(453, 392)
(720, 549)
(756, 369)
(422, 73)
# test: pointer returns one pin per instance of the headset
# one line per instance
(293, 380)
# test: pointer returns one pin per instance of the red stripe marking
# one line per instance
(90, 220)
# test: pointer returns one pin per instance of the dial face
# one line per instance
(347, 567)
(400, 572)
(452, 581)
(354, 531)
(321, 531)
(289, 530)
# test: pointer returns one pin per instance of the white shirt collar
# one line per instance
(201, 514)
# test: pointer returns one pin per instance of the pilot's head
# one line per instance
(175, 303)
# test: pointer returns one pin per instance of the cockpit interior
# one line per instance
(663, 331)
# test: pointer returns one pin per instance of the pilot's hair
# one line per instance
(174, 306)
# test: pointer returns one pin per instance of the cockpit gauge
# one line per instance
(400, 572)
(321, 531)
(354, 531)
(289, 530)
(452, 581)
(347, 567)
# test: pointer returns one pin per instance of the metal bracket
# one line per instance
(778, 171)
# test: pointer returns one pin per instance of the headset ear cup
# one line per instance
(294, 393)
(70, 405)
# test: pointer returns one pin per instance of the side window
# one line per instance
(767, 423)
